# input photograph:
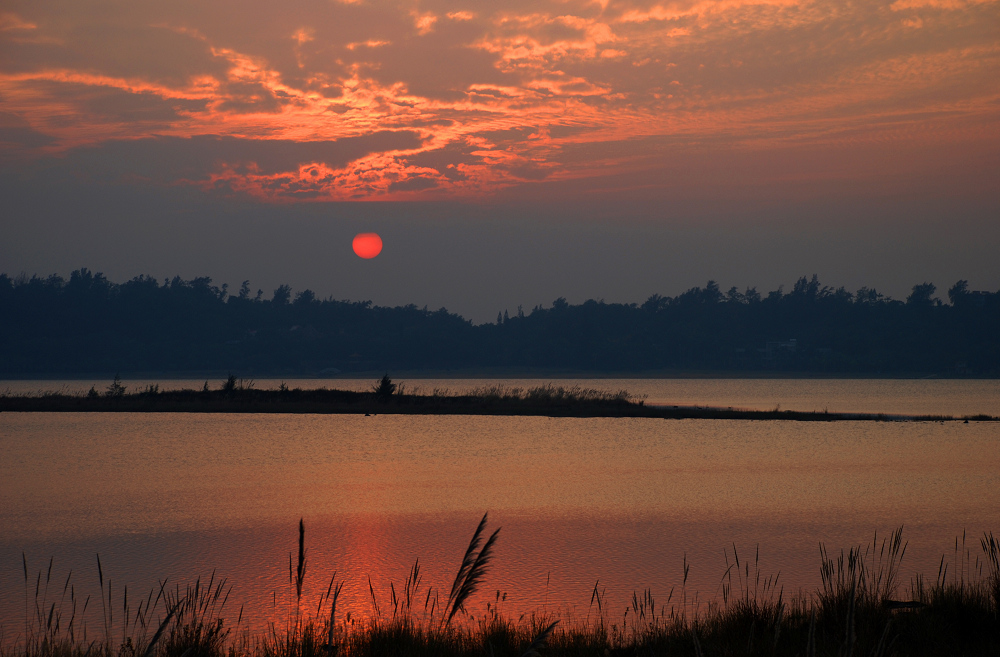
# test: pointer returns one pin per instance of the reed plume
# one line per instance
(472, 571)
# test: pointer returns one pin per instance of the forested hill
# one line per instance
(90, 325)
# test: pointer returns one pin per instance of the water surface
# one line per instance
(624, 501)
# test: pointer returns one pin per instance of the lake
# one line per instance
(624, 502)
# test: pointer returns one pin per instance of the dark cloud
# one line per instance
(558, 131)
(102, 103)
(121, 105)
(169, 159)
(528, 172)
(447, 159)
(114, 46)
(15, 132)
(442, 65)
(413, 184)
(508, 136)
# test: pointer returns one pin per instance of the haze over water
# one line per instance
(622, 501)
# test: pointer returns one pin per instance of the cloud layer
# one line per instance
(450, 99)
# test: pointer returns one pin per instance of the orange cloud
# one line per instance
(424, 22)
(370, 43)
(677, 10)
(497, 99)
(10, 21)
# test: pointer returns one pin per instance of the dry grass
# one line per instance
(860, 610)
(551, 394)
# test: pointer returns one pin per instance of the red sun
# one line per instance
(367, 245)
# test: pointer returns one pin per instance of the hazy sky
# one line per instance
(508, 152)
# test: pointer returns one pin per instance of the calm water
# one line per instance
(622, 501)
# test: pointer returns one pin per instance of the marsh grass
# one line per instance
(552, 394)
(861, 609)
(189, 621)
(387, 397)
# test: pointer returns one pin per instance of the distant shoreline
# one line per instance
(543, 401)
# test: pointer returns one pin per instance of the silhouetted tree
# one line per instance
(116, 389)
(281, 295)
(304, 298)
(958, 292)
(89, 324)
(653, 303)
(385, 388)
(921, 295)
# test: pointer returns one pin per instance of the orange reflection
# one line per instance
(618, 500)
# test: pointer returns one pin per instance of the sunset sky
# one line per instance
(508, 152)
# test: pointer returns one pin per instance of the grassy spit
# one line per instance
(857, 611)
(240, 396)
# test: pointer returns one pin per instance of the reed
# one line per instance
(551, 394)
(861, 609)
(471, 572)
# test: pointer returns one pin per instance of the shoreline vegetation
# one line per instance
(51, 325)
(240, 396)
(861, 608)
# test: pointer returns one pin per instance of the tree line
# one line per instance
(88, 324)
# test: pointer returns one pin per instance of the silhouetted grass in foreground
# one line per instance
(240, 396)
(858, 611)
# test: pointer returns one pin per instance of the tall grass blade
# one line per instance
(811, 640)
(330, 646)
(697, 643)
(300, 572)
(540, 641)
(371, 590)
(151, 648)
